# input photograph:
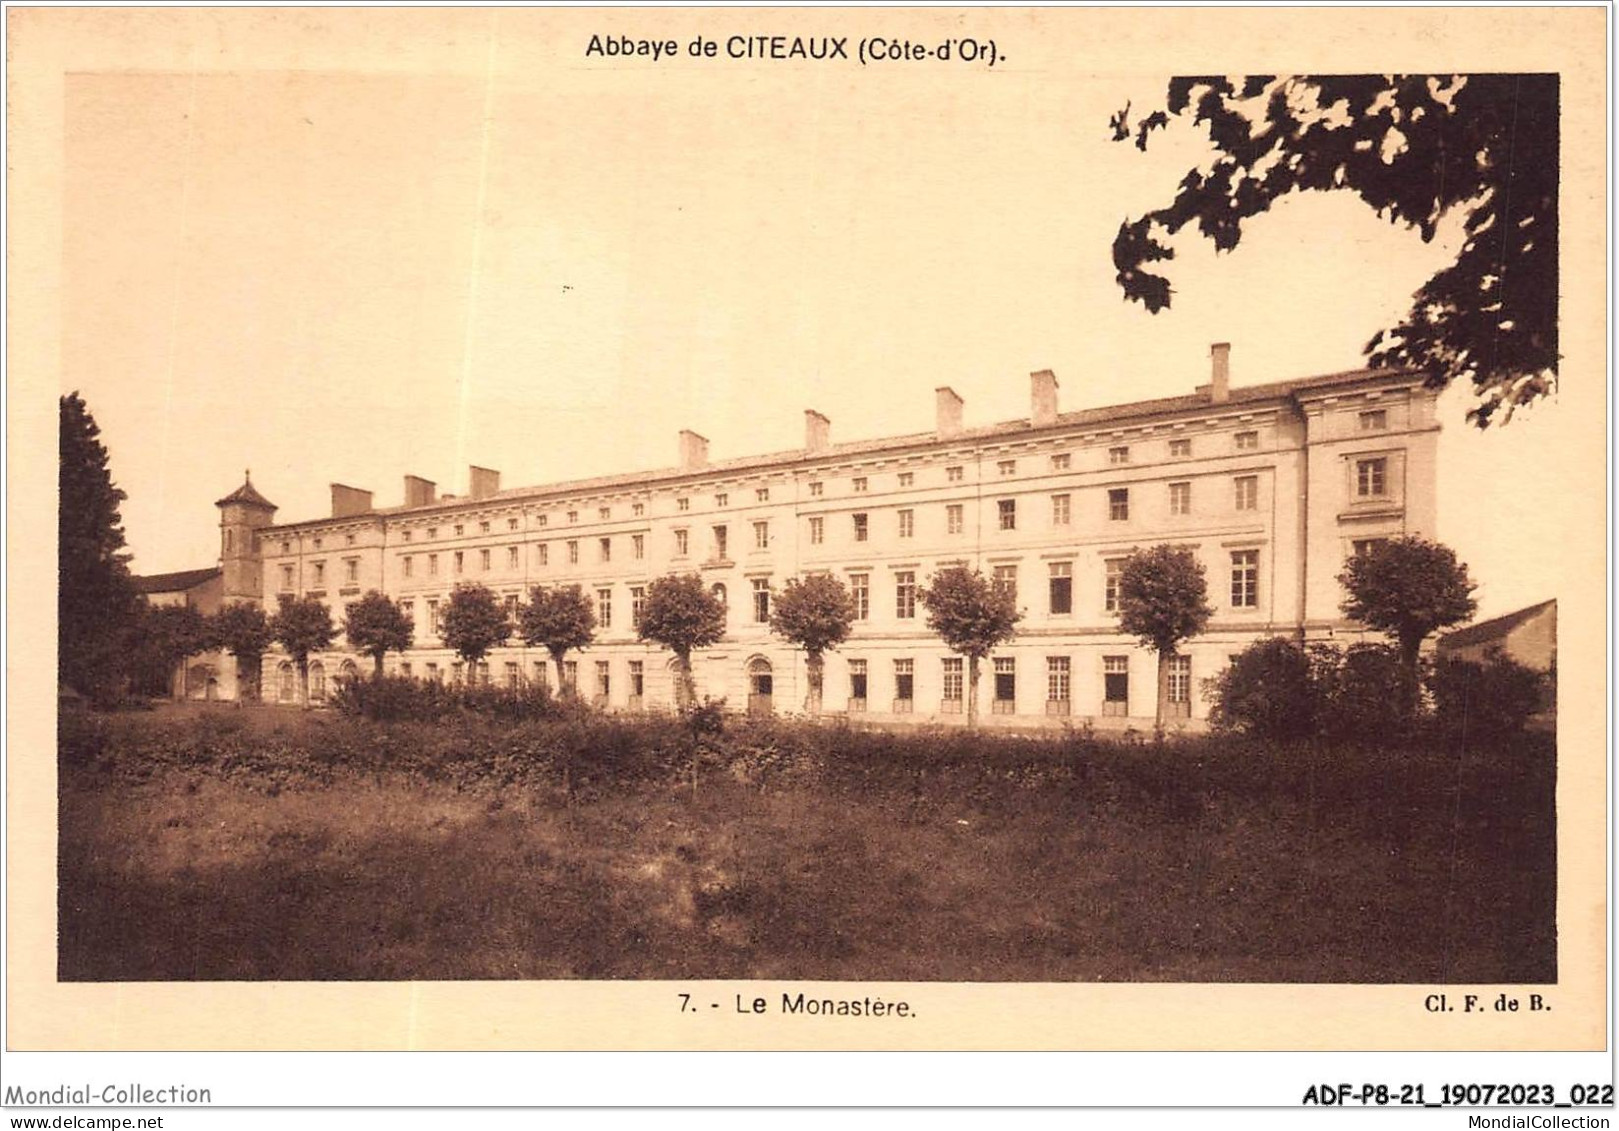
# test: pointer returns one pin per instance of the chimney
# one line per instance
(947, 408)
(1043, 398)
(693, 450)
(349, 500)
(1220, 380)
(482, 482)
(419, 492)
(817, 431)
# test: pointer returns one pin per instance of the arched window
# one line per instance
(317, 682)
(287, 681)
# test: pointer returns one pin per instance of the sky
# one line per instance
(476, 245)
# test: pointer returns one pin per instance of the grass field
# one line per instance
(260, 844)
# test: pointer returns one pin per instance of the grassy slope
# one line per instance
(1199, 863)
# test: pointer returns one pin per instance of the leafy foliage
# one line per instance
(1365, 693)
(816, 613)
(1485, 703)
(973, 617)
(162, 637)
(681, 615)
(1407, 587)
(245, 632)
(1415, 148)
(375, 625)
(302, 625)
(473, 622)
(1163, 597)
(966, 610)
(402, 699)
(96, 602)
(1267, 691)
(559, 620)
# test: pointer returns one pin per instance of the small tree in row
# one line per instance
(559, 620)
(473, 622)
(815, 613)
(973, 617)
(375, 625)
(302, 625)
(682, 615)
(1163, 600)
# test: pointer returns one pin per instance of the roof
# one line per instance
(1240, 396)
(1494, 628)
(175, 582)
(247, 494)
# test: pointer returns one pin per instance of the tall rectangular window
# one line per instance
(904, 684)
(483, 561)
(1007, 509)
(513, 675)
(638, 546)
(573, 553)
(1062, 588)
(905, 595)
(681, 543)
(1371, 478)
(637, 599)
(351, 570)
(1180, 686)
(1059, 510)
(432, 565)
(860, 593)
(286, 574)
(1113, 569)
(1115, 685)
(432, 617)
(1245, 579)
(1118, 504)
(407, 609)
(761, 600)
(1057, 679)
(1247, 488)
(511, 557)
(721, 542)
(907, 523)
(857, 685)
(604, 608)
(604, 549)
(761, 536)
(483, 527)
(512, 610)
(542, 553)
(953, 519)
(539, 675)
(604, 679)
(1006, 580)
(1246, 441)
(570, 674)
(860, 528)
(953, 682)
(320, 573)
(817, 530)
(1005, 685)
(1180, 498)
(410, 565)
(637, 681)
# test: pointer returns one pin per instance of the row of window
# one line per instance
(1058, 688)
(1118, 455)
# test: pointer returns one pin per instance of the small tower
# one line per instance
(242, 514)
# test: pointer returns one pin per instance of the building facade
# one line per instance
(1272, 486)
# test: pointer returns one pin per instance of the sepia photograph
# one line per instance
(842, 503)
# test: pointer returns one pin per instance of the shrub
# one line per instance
(1484, 703)
(401, 698)
(1268, 691)
(1362, 692)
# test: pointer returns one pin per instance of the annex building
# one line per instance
(1271, 485)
